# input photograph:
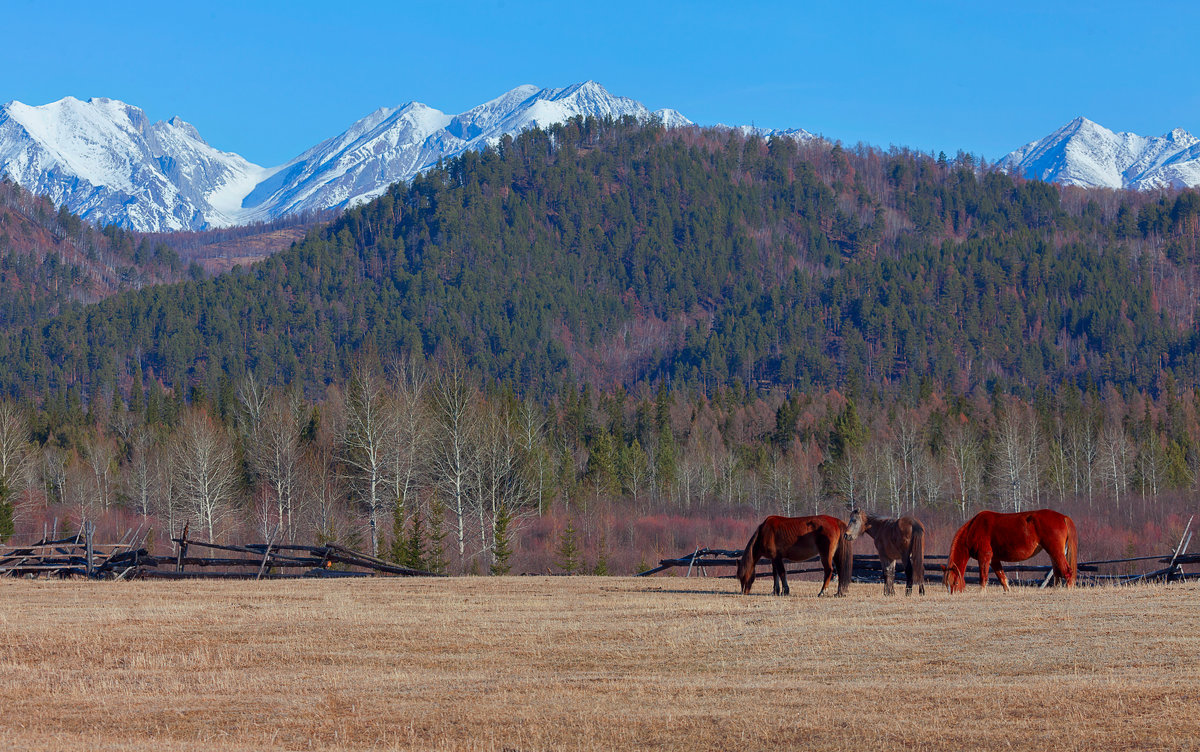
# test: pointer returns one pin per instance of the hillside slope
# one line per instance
(606, 253)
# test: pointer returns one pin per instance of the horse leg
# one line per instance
(827, 565)
(775, 565)
(889, 577)
(908, 575)
(1058, 561)
(1000, 574)
(983, 570)
(783, 576)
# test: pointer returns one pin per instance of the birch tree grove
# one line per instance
(455, 427)
(1017, 447)
(369, 427)
(408, 449)
(275, 457)
(15, 464)
(206, 471)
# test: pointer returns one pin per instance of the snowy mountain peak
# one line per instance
(1086, 154)
(106, 161)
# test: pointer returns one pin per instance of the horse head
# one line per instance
(854, 528)
(745, 572)
(953, 577)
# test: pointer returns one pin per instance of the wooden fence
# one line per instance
(79, 556)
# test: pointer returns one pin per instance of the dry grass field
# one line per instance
(529, 663)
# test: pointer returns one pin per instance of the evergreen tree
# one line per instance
(601, 568)
(501, 545)
(398, 552)
(7, 510)
(436, 557)
(567, 554)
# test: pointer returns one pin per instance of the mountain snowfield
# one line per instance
(1086, 154)
(105, 161)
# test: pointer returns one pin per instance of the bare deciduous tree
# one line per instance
(408, 449)
(139, 477)
(16, 456)
(1116, 458)
(456, 425)
(100, 455)
(368, 430)
(275, 458)
(1017, 446)
(964, 458)
(206, 473)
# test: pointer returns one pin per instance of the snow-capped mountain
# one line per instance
(798, 134)
(1086, 154)
(104, 160)
(393, 144)
(107, 162)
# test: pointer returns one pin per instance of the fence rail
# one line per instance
(80, 556)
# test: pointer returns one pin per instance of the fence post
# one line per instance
(89, 529)
(182, 547)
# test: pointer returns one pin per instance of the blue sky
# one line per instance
(269, 79)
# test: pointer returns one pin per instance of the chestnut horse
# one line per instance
(798, 539)
(993, 537)
(901, 540)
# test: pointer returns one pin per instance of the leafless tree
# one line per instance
(635, 470)
(1017, 446)
(456, 424)
(54, 471)
(1116, 458)
(322, 483)
(139, 477)
(204, 464)
(16, 455)
(500, 483)
(785, 483)
(858, 476)
(252, 400)
(369, 428)
(275, 458)
(78, 488)
(531, 428)
(964, 458)
(408, 449)
(1083, 446)
(100, 455)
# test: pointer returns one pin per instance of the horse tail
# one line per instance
(844, 556)
(917, 554)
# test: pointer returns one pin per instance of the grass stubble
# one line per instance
(533, 663)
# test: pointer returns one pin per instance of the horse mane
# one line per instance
(753, 540)
(958, 535)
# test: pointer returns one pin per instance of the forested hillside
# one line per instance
(621, 341)
(614, 253)
(51, 259)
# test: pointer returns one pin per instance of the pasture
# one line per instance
(532, 663)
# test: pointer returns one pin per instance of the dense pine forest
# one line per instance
(607, 341)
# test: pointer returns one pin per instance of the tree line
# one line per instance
(423, 464)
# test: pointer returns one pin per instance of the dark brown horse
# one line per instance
(798, 539)
(901, 540)
(993, 537)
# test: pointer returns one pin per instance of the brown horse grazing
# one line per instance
(900, 540)
(798, 539)
(993, 537)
